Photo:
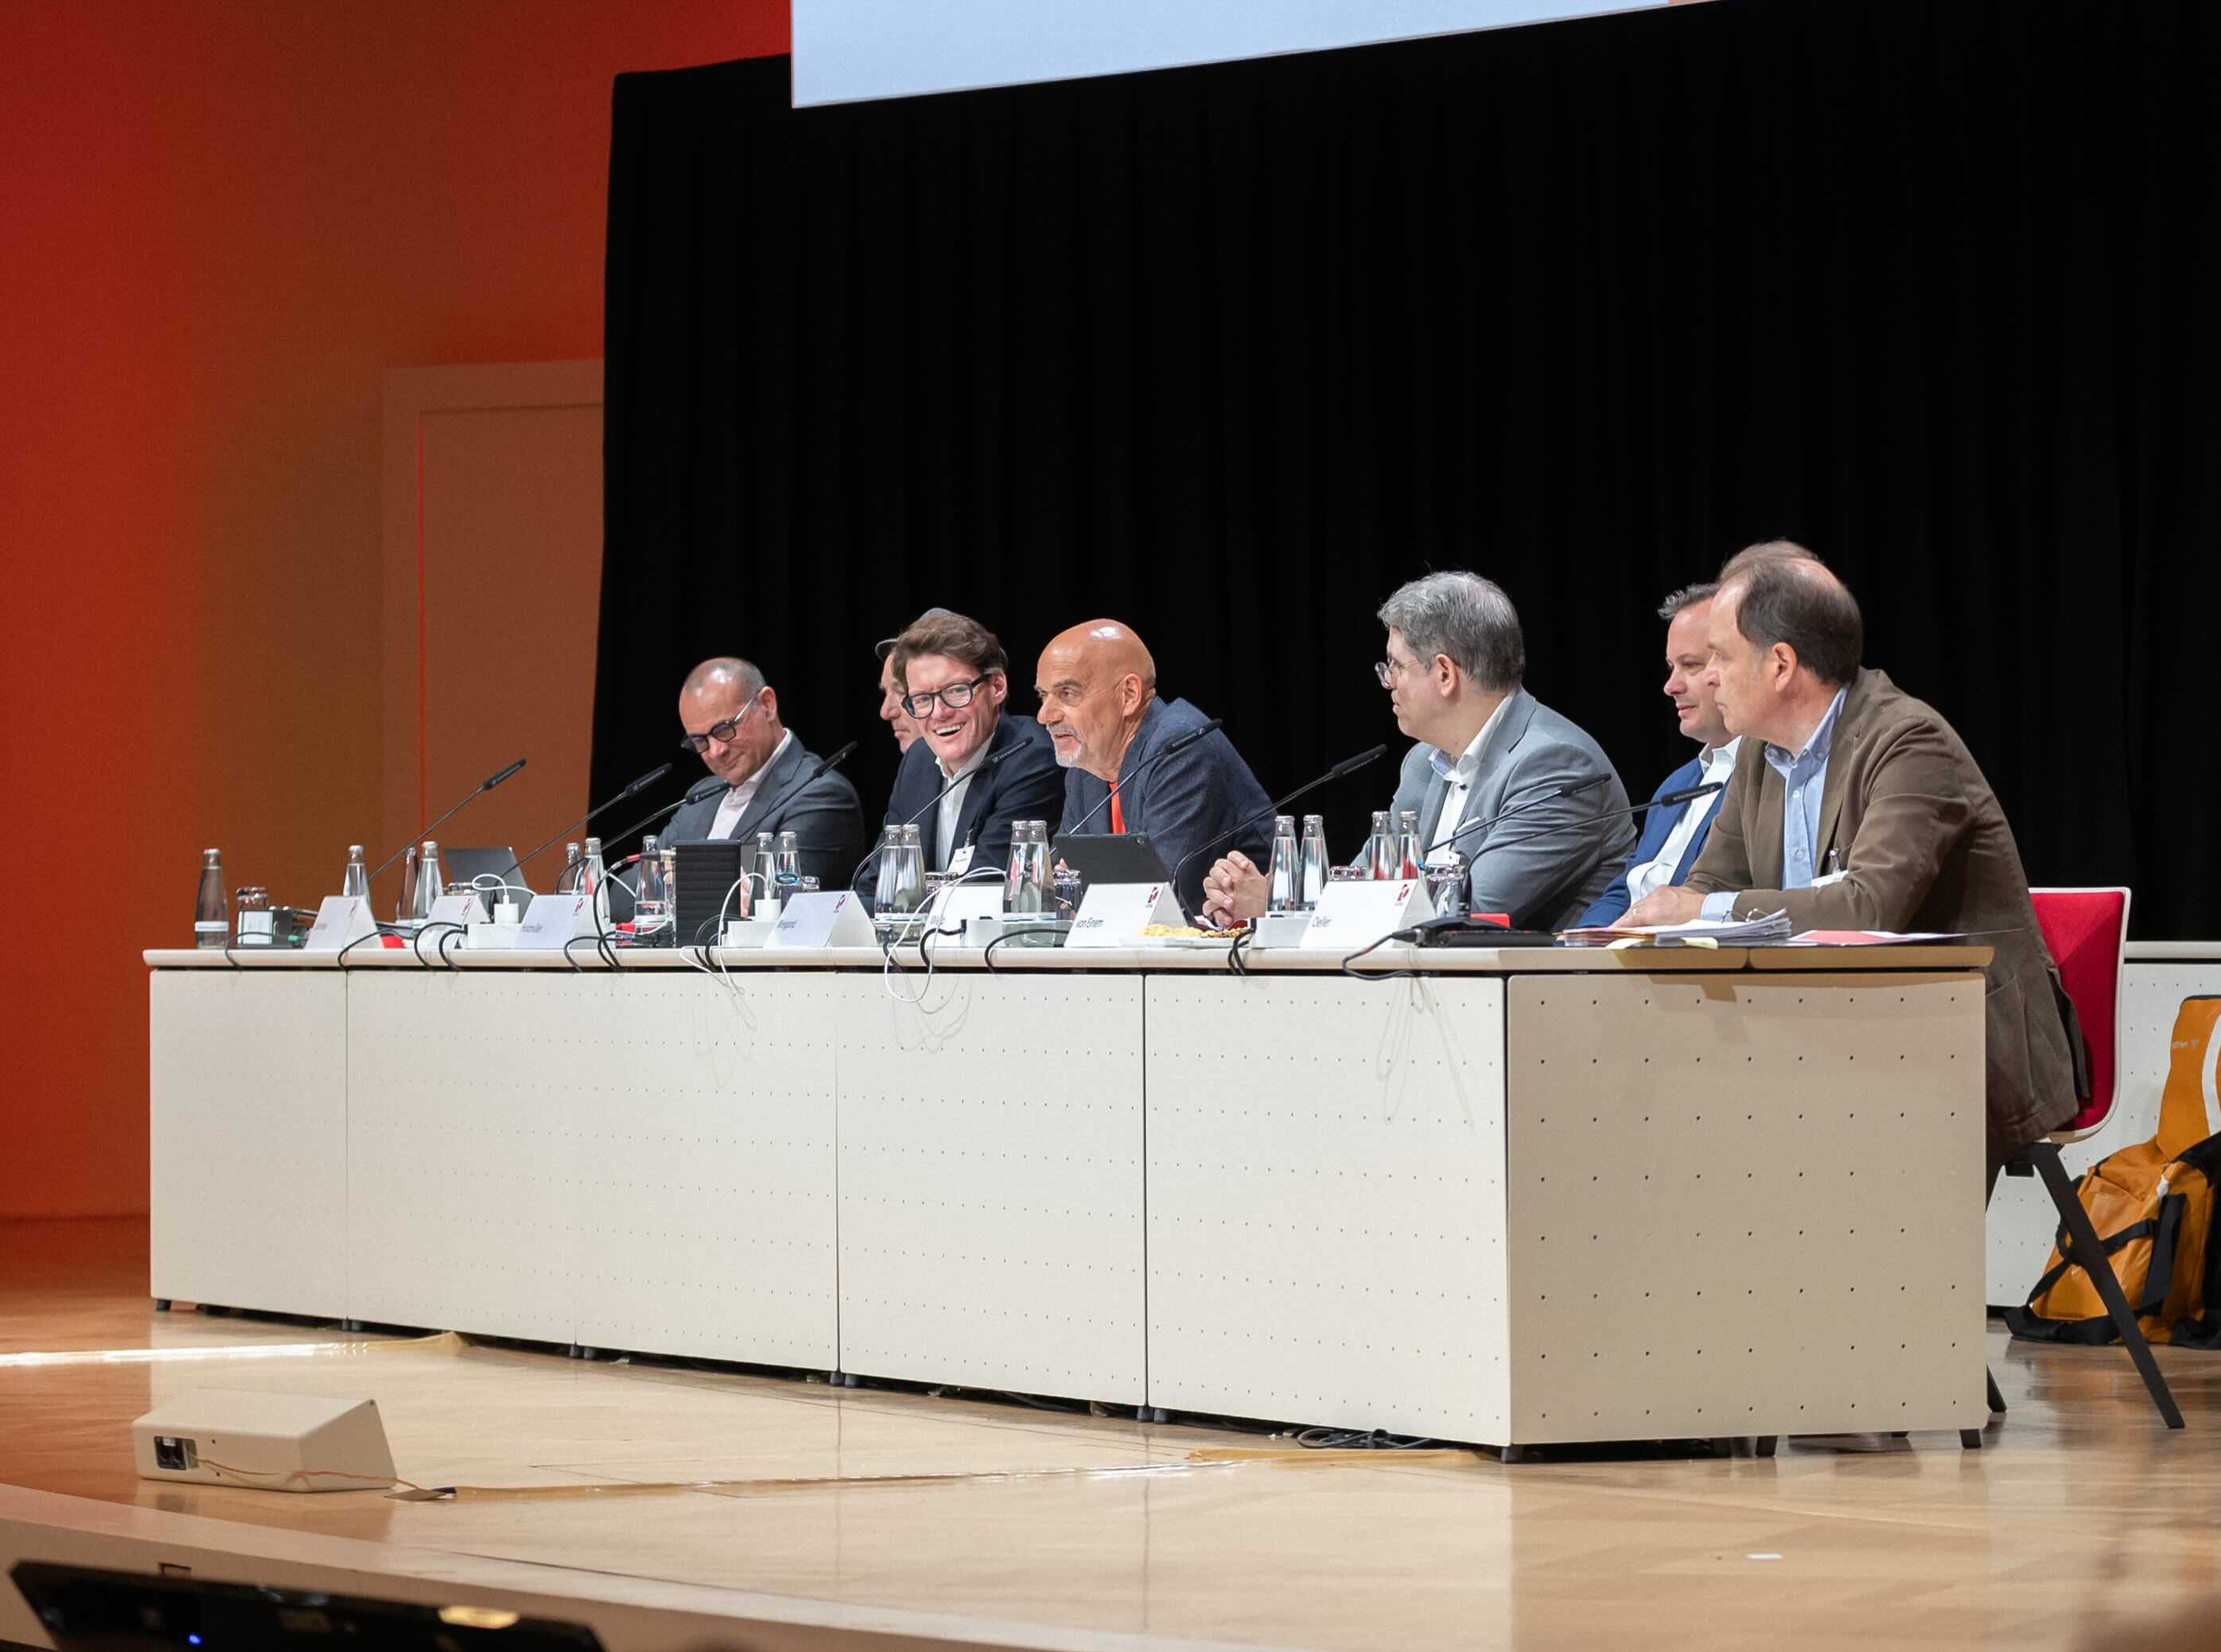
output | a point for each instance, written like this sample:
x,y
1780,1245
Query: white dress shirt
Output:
x,y
1460,775
736,800
1653,875
944,835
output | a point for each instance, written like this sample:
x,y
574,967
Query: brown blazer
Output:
x,y
1926,847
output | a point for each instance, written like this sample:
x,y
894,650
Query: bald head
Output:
x,y
725,705
1766,551
1095,682
725,672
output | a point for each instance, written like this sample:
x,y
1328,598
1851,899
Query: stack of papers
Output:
x,y
1869,937
1727,931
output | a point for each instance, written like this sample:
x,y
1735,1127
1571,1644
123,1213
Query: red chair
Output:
x,y
2086,931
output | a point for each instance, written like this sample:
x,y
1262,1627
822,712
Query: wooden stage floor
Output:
x,y
680,1506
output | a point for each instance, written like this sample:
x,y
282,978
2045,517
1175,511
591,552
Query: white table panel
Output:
x,y
990,1183
470,1096
1326,1201
2023,1222
705,1215
1743,1206
247,1124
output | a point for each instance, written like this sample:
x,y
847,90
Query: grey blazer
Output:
x,y
825,816
1547,863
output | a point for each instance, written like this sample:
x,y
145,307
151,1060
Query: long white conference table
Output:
x,y
1522,1197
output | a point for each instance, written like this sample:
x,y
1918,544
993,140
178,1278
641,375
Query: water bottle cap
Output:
x,y
594,845
430,848
355,852
210,857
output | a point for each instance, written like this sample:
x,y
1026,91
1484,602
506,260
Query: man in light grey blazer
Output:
x,y
1519,786
731,718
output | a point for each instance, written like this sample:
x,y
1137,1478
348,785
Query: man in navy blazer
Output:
x,y
1098,685
972,772
1673,838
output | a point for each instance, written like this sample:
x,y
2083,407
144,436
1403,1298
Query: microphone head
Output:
x,y
493,781
1351,765
648,779
838,758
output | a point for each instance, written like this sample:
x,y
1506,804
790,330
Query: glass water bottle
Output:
x,y
1284,882
787,863
882,888
1315,861
407,898
355,881
651,907
428,888
593,883
1381,859
211,913
1408,852
568,877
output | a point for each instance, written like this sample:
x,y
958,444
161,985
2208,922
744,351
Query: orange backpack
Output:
x,y
2152,1206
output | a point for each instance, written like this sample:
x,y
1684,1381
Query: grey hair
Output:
x,y
1687,597
726,668
1466,617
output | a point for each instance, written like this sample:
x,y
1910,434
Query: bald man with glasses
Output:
x,y
731,715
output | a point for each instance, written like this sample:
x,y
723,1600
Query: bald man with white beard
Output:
x,y
1098,686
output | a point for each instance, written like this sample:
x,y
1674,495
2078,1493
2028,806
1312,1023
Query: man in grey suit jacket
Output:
x,y
731,718
1520,785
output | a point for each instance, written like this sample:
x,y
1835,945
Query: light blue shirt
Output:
x,y
1804,784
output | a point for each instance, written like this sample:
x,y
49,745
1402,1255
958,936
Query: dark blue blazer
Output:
x,y
1183,802
1657,827
1025,785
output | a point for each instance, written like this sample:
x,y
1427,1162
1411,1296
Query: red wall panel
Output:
x,y
220,225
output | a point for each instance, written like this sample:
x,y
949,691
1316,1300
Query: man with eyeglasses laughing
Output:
x,y
731,718
955,678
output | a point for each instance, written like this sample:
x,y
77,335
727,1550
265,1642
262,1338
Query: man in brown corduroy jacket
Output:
x,y
1855,806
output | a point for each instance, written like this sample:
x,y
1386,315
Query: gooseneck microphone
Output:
x,y
1535,801
1686,794
424,832
633,788
1172,749
701,789
919,814
825,765
1347,766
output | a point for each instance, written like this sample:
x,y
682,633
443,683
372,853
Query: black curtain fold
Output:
x,y
1229,351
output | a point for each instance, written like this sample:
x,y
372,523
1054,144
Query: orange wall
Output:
x,y
219,224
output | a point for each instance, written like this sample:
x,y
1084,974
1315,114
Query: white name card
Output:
x,y
823,918
1115,914
552,920
342,920
1354,915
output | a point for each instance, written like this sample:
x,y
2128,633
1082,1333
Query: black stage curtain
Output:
x,y
1228,352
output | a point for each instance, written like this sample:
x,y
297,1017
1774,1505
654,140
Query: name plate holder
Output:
x,y
552,920
965,907
1352,916
342,920
1115,914
823,918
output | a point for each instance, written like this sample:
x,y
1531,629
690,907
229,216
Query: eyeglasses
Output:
x,y
1388,670
719,732
955,696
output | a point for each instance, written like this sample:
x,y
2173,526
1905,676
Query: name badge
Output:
x,y
823,918
1115,914
961,861
1354,915
551,920
341,920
